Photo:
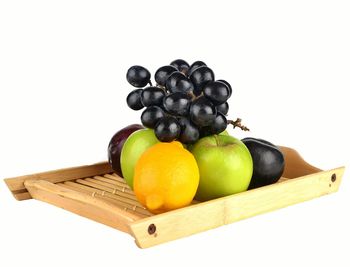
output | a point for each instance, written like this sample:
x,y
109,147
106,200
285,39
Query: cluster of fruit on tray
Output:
x,y
183,150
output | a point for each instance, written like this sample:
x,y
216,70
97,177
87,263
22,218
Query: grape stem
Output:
x,y
192,95
237,123
150,83
162,87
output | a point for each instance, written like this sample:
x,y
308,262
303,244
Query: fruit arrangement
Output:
x,y
182,150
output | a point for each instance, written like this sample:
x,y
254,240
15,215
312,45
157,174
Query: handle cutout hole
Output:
x,y
334,177
151,229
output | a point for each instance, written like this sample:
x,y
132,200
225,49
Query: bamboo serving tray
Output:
x,y
95,192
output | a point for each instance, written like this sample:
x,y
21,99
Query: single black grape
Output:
x,y
152,96
227,84
151,115
138,76
134,99
195,65
177,103
223,108
218,126
202,112
189,132
163,73
181,65
178,82
200,77
167,129
217,92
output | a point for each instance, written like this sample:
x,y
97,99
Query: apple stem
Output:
x,y
237,123
216,139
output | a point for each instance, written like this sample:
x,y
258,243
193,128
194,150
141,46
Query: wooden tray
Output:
x,y
97,193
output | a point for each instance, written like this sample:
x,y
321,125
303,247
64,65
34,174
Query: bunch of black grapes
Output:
x,y
186,104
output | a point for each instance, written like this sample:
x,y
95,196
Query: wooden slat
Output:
x,y
80,188
16,185
120,188
113,182
81,204
115,176
131,201
92,183
207,215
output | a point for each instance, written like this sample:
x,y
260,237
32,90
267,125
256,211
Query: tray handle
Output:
x,y
295,165
81,204
16,184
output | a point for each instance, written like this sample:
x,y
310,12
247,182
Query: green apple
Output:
x,y
190,146
225,166
137,143
224,133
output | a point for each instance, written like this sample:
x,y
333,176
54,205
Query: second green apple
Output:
x,y
225,166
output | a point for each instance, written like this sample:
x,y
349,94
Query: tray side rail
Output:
x,y
82,204
211,214
19,191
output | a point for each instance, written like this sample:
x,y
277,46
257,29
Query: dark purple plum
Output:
x,y
268,162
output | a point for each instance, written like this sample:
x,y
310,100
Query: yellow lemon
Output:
x,y
166,177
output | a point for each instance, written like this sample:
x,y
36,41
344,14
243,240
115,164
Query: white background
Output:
x,y
62,96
